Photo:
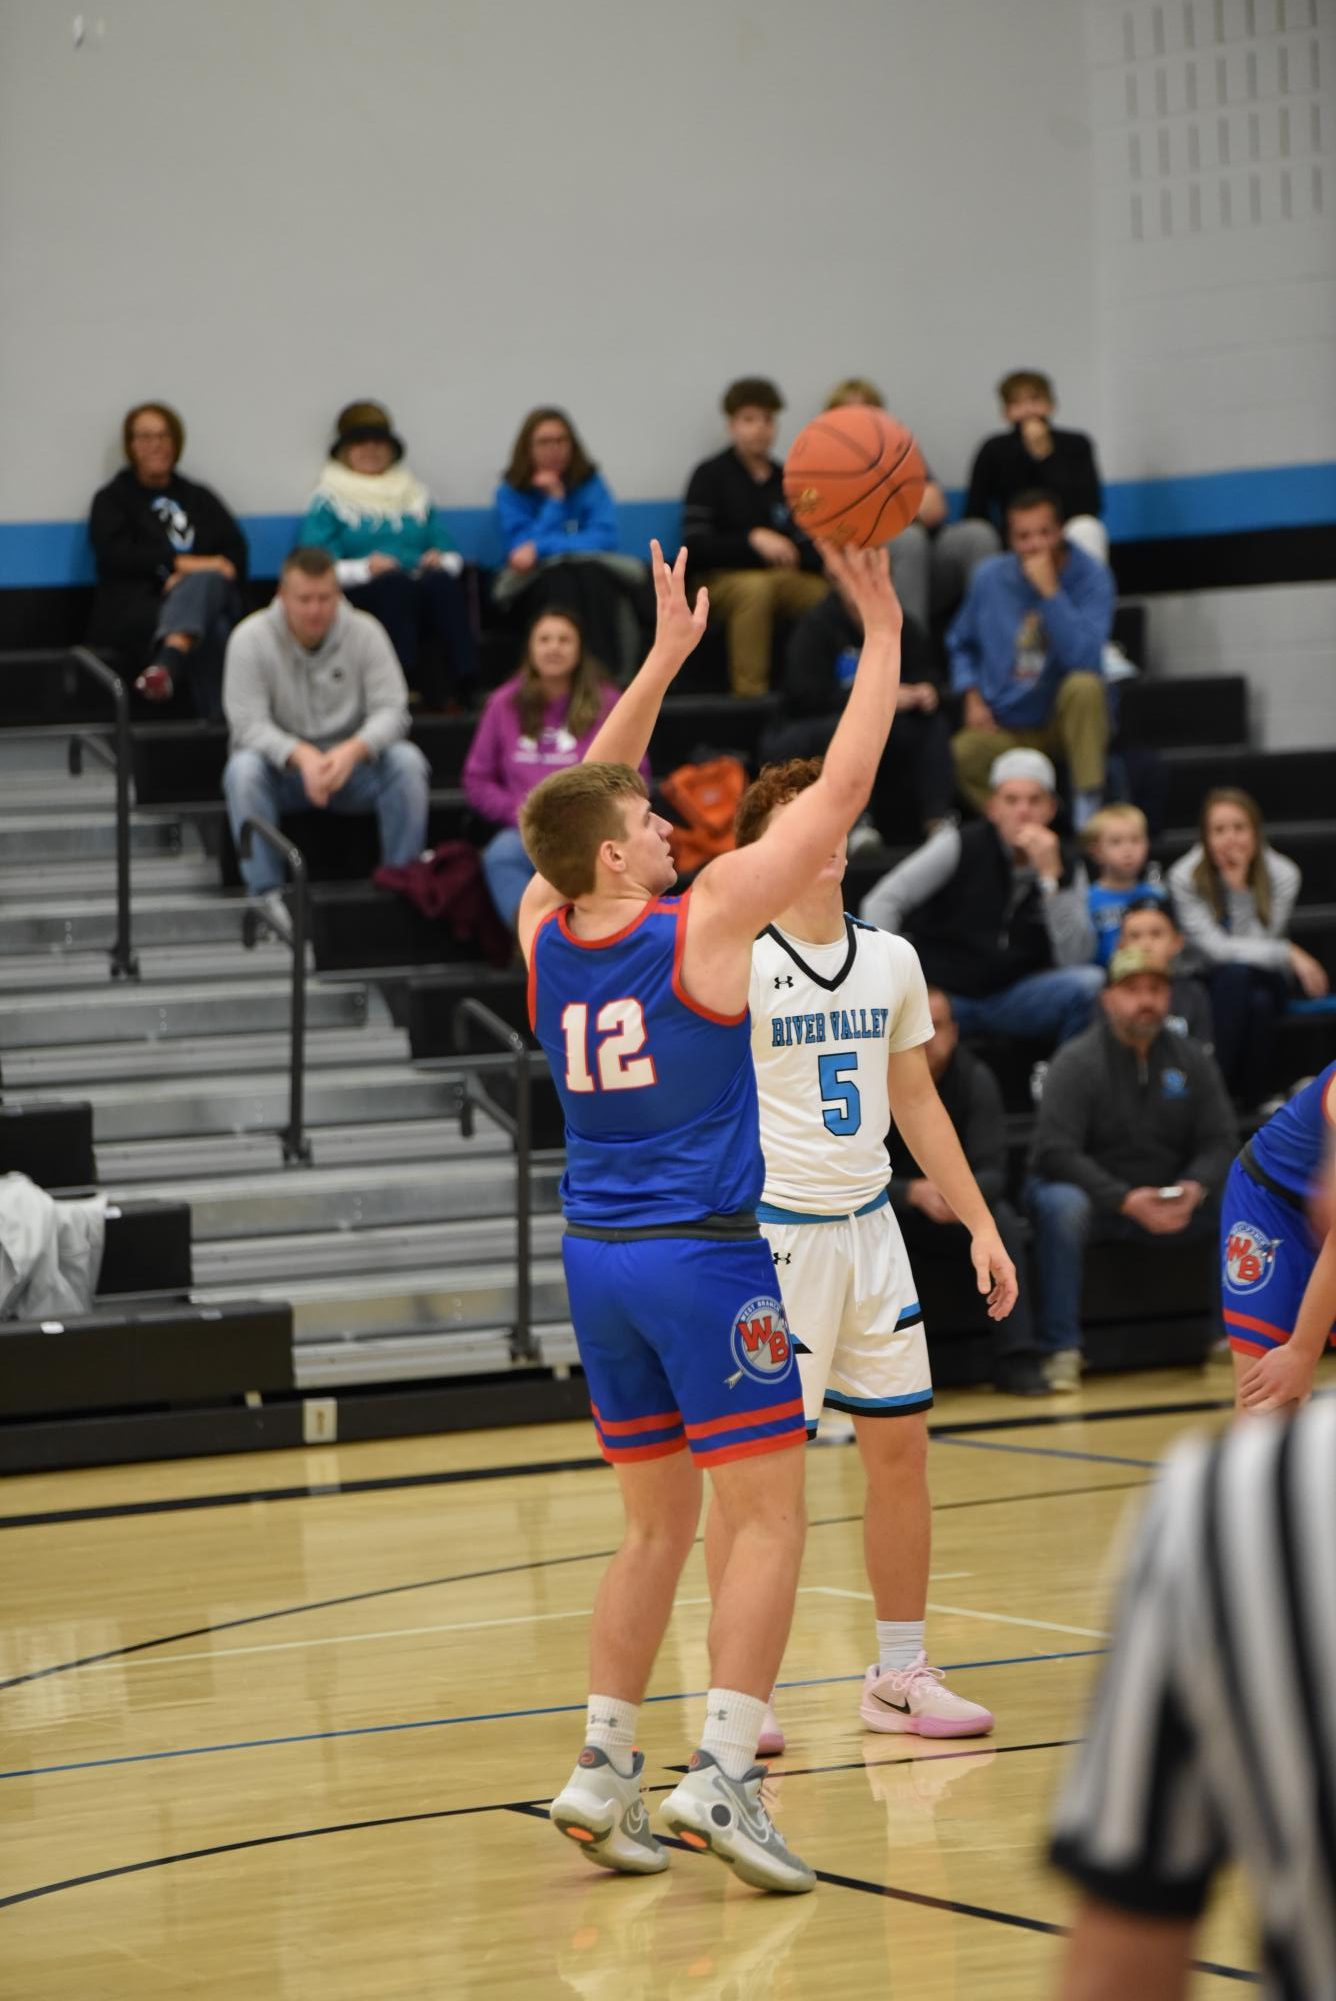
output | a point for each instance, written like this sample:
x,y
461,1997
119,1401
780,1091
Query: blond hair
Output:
x,y
1108,817
565,821
855,389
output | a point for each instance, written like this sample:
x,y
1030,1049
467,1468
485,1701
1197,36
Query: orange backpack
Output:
x,y
704,798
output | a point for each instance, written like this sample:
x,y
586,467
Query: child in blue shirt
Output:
x,y
1117,845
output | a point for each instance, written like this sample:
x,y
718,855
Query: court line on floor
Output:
x,y
965,1612
319,1490
537,1810
1043,1451
485,1716
460,1577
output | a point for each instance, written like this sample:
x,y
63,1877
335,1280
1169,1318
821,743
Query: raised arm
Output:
x,y
738,894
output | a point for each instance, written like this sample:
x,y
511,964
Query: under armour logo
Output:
x,y
782,1257
783,980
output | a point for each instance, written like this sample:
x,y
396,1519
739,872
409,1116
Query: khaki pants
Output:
x,y
1078,733
750,600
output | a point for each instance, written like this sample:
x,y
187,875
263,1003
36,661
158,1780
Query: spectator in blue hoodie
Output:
x,y
558,526
1025,650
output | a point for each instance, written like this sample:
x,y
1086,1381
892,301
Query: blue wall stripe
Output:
x,y
45,553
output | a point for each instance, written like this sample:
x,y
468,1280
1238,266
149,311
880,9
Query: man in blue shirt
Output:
x,y
1025,654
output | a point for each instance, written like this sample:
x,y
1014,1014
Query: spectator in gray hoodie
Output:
x,y
318,710
1134,1139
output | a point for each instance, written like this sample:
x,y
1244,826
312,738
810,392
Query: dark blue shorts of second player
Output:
x,y
684,1343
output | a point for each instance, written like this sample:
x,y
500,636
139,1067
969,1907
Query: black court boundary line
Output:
x,y
525,1469
537,1810
473,1577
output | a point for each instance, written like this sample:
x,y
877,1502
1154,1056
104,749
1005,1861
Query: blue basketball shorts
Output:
x,y
1267,1254
684,1343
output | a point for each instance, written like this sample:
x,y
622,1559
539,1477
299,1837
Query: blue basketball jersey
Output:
x,y
1292,1146
659,1094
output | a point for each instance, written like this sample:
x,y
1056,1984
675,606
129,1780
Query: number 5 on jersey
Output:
x,y
621,1026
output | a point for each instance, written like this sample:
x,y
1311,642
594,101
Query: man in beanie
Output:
x,y
394,555
1134,1139
998,912
1026,648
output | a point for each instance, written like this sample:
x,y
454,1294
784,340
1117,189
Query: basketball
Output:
x,y
854,475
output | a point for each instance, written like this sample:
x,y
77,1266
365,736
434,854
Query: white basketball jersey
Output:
x,y
824,1020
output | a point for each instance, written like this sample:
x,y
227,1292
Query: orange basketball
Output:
x,y
854,475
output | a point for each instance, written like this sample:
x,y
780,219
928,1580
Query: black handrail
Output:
x,y
296,1145
525,1347
124,965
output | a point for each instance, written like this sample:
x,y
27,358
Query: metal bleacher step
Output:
x,y
80,922
458,1351
193,1056
248,1157
481,1183
159,965
65,880
50,837
441,1245
177,1108
134,1011
357,1304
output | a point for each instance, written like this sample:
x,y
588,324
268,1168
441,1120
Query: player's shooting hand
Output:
x,y
864,576
678,625
1280,1377
994,1273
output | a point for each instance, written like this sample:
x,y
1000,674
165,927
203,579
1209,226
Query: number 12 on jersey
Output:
x,y
620,1025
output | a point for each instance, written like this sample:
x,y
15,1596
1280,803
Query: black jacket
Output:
x,y
135,553
1003,468
1111,1119
985,929
973,1101
724,503
811,683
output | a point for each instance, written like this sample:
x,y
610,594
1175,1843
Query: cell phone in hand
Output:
x,y
1169,1194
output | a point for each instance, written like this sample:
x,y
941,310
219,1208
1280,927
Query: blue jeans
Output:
x,y
205,605
1064,1222
395,786
508,872
1043,1007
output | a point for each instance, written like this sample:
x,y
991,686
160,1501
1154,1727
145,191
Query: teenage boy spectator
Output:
x,y
997,912
1148,926
916,779
1025,650
170,558
933,559
1117,848
1033,452
744,542
930,1227
318,708
1134,1137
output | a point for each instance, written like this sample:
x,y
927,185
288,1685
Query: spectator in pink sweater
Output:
x,y
541,720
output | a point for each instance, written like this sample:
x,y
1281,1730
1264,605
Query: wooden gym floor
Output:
x,y
285,1725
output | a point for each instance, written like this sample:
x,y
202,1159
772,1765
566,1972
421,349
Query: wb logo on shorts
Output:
x,y
1250,1257
761,1344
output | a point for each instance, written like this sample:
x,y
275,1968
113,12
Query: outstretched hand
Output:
x,y
1277,1380
864,575
678,626
994,1273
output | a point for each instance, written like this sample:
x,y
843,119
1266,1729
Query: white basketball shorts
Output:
x,y
853,1311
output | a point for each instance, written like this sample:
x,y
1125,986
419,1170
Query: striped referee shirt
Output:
x,y
1213,1733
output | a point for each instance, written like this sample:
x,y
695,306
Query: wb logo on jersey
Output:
x,y
761,1344
1250,1257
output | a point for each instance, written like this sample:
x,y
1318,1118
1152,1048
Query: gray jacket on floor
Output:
x,y
50,1252
278,693
1112,1119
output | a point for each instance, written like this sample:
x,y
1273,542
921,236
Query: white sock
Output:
x,y
899,1643
732,1725
611,1727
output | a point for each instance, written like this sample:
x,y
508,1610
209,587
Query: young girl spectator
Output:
x,y
392,553
1117,845
1234,895
540,721
558,526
